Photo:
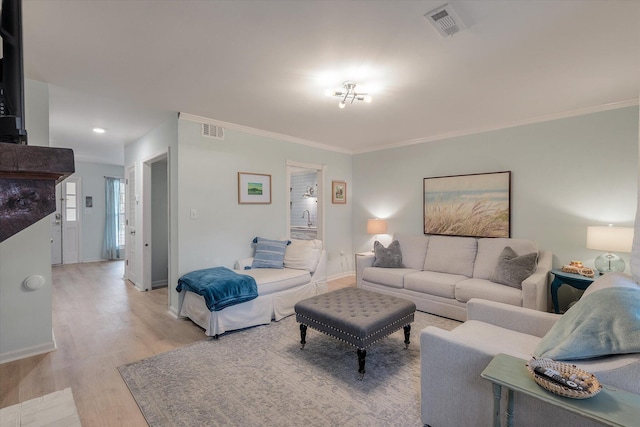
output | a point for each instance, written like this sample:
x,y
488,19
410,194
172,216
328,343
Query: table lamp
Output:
x,y
376,226
610,239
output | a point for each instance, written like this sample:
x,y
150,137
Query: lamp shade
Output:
x,y
376,226
611,239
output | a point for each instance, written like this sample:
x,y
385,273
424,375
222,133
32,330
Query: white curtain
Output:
x,y
110,248
635,252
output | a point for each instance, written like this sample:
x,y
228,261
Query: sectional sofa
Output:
x,y
440,274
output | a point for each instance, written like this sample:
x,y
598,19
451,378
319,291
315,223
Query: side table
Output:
x,y
611,406
574,280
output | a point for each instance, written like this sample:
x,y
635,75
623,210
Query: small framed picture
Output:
x,y
254,188
338,192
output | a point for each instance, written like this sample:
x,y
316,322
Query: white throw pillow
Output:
x,y
303,254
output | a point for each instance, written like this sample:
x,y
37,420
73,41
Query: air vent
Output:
x,y
445,20
211,131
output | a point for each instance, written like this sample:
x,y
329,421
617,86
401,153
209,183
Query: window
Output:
x,y
71,208
121,220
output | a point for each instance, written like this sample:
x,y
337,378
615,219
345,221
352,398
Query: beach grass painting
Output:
x,y
476,205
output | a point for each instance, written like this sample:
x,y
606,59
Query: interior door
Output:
x,y
130,219
71,220
56,229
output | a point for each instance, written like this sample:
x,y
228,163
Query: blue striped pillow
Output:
x,y
269,253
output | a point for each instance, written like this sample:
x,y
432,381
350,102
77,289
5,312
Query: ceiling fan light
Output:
x,y
341,104
367,99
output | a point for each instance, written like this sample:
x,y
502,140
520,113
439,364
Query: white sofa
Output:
x,y
442,273
454,394
303,276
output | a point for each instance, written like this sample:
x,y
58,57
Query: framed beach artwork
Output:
x,y
477,205
254,188
338,192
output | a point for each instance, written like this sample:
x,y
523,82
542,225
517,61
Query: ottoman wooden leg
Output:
x,y
303,335
362,354
407,332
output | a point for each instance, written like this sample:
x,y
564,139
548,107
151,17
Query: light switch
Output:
x,y
194,214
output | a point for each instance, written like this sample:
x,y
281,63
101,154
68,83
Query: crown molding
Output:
x,y
448,135
540,119
259,132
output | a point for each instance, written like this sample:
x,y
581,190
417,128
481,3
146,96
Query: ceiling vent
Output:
x,y
445,20
211,131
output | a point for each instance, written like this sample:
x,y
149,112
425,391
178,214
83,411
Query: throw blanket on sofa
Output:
x,y
603,323
219,286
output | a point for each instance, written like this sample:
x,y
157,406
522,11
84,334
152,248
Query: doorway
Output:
x,y
305,201
65,223
155,224
130,225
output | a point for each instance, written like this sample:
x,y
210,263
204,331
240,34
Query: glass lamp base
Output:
x,y
607,263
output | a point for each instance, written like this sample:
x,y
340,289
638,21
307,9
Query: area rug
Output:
x,y
54,409
260,376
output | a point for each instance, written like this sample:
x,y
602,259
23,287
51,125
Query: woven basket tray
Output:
x,y
591,382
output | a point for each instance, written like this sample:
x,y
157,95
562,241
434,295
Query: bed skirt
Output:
x,y
259,311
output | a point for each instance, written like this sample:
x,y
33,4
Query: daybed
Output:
x,y
303,275
440,274
590,335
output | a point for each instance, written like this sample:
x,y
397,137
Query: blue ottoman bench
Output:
x,y
355,316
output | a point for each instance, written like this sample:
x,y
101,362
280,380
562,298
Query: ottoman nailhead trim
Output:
x,y
388,329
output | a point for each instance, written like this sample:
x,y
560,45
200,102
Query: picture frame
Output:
x,y
338,192
254,188
474,205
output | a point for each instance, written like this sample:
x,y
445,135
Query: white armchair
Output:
x,y
454,394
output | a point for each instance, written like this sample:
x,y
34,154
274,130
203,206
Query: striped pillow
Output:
x,y
269,253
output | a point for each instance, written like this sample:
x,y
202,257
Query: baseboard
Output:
x,y
22,353
159,283
174,313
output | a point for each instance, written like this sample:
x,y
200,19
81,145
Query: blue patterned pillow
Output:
x,y
269,253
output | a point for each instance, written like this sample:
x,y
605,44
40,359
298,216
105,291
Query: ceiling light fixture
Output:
x,y
99,130
349,93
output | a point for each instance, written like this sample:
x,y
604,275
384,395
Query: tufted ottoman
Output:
x,y
355,316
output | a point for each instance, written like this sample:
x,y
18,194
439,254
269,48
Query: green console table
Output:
x,y
611,406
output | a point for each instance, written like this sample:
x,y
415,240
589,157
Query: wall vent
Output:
x,y
211,131
445,20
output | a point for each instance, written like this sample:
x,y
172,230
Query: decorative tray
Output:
x,y
587,384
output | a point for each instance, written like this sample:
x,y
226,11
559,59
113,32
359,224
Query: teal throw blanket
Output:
x,y
219,286
603,323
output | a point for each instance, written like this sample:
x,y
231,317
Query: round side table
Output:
x,y
574,280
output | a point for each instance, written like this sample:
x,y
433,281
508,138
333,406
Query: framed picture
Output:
x,y
254,188
338,192
477,205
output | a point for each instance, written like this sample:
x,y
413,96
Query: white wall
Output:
x,y
25,316
224,229
92,220
566,174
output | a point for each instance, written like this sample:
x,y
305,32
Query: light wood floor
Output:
x,y
100,321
